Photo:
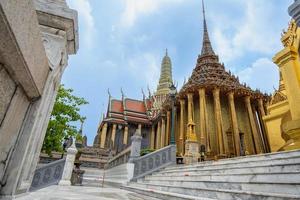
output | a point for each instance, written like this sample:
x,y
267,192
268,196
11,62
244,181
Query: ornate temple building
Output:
x,y
214,111
283,117
126,115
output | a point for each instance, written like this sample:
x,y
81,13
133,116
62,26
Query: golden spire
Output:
x,y
165,80
206,45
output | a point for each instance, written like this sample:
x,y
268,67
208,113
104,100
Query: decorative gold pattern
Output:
x,y
288,37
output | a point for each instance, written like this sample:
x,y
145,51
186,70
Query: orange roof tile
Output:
x,y
135,105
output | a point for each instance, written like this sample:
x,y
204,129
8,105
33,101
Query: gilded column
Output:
x,y
253,125
191,136
261,107
125,139
202,117
152,142
168,128
262,124
234,124
103,135
218,120
163,132
191,144
113,135
182,127
158,135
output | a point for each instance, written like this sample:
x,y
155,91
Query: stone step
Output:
x,y
292,178
222,194
244,163
138,196
255,187
258,157
162,194
259,168
92,182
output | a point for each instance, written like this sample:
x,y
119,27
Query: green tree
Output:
x,y
64,115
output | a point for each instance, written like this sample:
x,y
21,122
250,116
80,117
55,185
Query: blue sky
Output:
x,y
122,43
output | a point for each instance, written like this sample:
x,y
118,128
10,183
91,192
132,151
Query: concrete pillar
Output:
x,y
234,124
256,137
69,165
125,139
103,135
163,132
113,135
218,121
182,127
168,128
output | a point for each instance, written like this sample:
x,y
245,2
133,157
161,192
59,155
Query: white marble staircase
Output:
x,y
92,177
266,176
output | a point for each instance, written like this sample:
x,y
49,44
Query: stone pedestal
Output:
x,y
191,152
136,141
69,166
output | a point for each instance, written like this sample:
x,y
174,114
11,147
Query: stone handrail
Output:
x,y
119,159
154,161
49,174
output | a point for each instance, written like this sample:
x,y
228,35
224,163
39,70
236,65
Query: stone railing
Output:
x,y
49,174
153,161
119,159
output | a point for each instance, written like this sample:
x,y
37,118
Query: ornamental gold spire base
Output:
x,y
191,146
291,131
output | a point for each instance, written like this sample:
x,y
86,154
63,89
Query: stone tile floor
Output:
x,y
80,193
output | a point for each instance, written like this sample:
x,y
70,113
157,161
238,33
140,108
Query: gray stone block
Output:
x,y
7,89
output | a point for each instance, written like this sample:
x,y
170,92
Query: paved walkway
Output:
x,y
80,193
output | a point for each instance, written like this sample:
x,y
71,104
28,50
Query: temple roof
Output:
x,y
127,110
210,73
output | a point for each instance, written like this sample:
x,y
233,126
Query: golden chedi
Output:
x,y
283,120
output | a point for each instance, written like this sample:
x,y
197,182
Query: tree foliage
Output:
x,y
63,118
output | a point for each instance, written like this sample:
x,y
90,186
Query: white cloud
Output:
x,y
86,20
145,68
250,33
135,8
263,74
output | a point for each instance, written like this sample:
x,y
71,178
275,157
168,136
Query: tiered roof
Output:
x,y
209,73
127,110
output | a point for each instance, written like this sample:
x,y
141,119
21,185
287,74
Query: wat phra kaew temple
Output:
x,y
213,110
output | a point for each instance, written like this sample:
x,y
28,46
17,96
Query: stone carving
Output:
x,y
154,161
49,174
278,97
55,49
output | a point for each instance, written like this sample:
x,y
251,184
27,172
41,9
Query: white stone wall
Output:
x,y
33,59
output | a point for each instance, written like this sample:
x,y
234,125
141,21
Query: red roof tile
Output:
x,y
117,106
135,105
